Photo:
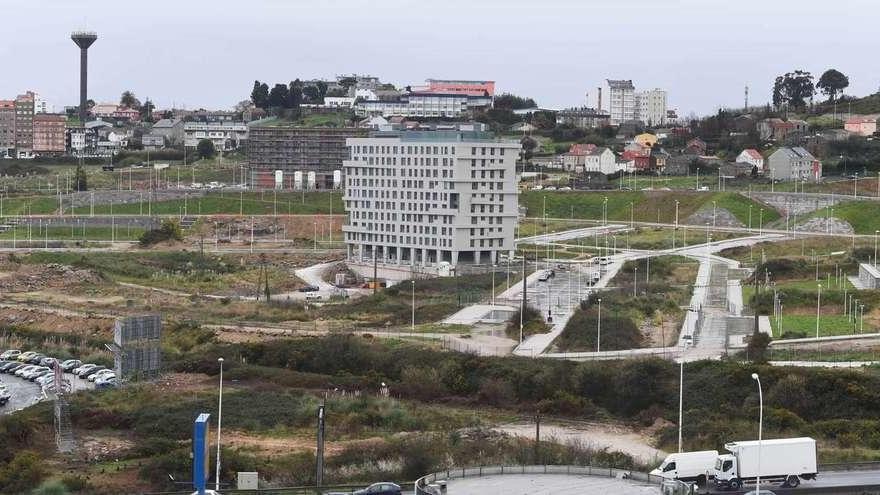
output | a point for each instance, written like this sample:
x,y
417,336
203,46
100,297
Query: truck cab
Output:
x,y
725,469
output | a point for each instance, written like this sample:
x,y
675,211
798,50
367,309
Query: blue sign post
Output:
x,y
200,453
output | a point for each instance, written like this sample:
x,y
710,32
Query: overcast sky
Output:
x,y
197,53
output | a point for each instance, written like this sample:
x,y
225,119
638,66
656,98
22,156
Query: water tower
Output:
x,y
83,40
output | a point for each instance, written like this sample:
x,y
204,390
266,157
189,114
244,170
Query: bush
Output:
x,y
168,231
24,472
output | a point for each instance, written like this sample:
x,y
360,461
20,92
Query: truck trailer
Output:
x,y
783,460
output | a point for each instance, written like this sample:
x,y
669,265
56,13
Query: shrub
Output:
x,y
24,472
168,231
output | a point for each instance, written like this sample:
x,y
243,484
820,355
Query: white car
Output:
x,y
100,374
10,354
76,371
33,372
24,369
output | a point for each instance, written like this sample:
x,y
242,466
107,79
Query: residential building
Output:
x,y
752,157
125,113
583,117
311,153
339,101
869,275
575,159
40,105
650,107
780,130
104,110
602,160
622,103
48,134
24,125
862,126
226,136
7,128
658,159
170,129
470,88
431,197
646,139
793,163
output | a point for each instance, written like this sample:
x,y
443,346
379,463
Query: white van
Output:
x,y
313,296
688,466
604,260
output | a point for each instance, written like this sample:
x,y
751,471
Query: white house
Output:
x,y
793,164
601,160
338,101
752,157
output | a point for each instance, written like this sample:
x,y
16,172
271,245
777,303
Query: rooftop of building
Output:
x,y
620,83
443,136
458,81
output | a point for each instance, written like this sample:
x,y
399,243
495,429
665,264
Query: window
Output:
x,y
669,467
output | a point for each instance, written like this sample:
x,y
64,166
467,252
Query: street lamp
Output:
x,y
413,323
675,228
681,394
875,247
599,325
818,304
219,417
714,206
760,429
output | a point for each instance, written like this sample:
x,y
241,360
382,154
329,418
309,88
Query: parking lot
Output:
x,y
559,294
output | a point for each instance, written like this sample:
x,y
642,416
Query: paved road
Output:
x,y
566,235
25,393
547,484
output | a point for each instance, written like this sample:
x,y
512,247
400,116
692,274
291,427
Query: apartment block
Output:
x,y
430,197
622,103
651,107
226,136
49,138
24,125
793,163
7,128
304,150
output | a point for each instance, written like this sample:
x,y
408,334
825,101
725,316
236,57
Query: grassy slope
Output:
x,y
864,216
232,203
647,206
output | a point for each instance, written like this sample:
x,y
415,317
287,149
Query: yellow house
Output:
x,y
646,139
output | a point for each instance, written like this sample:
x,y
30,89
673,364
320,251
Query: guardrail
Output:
x,y
427,485
292,490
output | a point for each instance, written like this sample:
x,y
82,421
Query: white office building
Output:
x,y
622,101
429,197
651,107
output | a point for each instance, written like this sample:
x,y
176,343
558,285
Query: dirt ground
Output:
x,y
636,443
661,336
27,278
285,445
55,321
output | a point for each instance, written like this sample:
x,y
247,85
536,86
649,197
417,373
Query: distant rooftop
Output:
x,y
442,136
620,83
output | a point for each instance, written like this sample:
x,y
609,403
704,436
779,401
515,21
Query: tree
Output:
x,y
205,148
260,95
832,82
169,230
756,349
129,100
513,102
311,94
79,179
295,94
278,97
146,110
528,146
793,88
322,90
347,82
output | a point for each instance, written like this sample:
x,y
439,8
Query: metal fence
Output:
x,y
292,490
434,483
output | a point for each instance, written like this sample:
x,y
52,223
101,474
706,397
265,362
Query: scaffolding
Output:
x,y
64,439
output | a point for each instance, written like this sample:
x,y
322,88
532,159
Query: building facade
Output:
x,y
430,197
622,102
650,107
24,125
601,160
170,129
226,136
471,88
793,164
49,134
7,128
752,157
425,104
301,151
583,117
862,126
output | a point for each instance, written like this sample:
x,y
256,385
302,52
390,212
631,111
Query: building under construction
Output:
x,y
289,157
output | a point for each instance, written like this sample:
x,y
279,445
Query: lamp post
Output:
x,y
714,207
750,218
760,429
599,326
818,305
875,247
675,228
605,211
219,418
681,394
413,322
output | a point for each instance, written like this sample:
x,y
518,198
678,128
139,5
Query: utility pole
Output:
x,y
319,465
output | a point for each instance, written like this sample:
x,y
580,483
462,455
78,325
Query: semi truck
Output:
x,y
783,460
688,466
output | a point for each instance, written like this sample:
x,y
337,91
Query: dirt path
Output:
x,y
594,435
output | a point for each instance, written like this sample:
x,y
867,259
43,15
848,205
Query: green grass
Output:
x,y
806,324
28,205
644,206
864,216
214,203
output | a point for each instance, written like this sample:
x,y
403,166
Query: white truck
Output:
x,y
688,466
783,460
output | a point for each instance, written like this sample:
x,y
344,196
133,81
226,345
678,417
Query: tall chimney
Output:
x,y
83,40
599,100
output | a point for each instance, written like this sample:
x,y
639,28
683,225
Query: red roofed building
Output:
x,y
470,88
752,157
577,156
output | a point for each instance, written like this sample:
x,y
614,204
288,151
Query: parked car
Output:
x,y
24,356
11,367
107,382
34,372
99,374
48,362
24,369
383,488
91,371
36,358
82,368
45,379
4,396
309,288
10,354
70,364
40,373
